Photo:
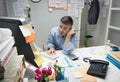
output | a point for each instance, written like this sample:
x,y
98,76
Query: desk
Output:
x,y
97,52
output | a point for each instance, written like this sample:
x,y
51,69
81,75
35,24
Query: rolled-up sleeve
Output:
x,y
70,46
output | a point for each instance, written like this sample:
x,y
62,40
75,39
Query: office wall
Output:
x,y
3,8
98,30
43,20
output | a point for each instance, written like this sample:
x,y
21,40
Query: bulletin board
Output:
x,y
58,4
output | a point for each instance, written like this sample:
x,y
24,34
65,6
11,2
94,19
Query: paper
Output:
x,y
64,61
26,29
77,73
57,3
73,1
17,11
62,3
80,3
51,3
72,10
39,60
85,77
5,33
30,38
27,32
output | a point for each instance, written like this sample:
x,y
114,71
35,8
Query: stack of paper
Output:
x,y
5,48
5,33
114,58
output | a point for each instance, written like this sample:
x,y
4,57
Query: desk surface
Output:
x,y
97,52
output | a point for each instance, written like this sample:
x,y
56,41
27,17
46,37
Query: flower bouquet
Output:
x,y
42,74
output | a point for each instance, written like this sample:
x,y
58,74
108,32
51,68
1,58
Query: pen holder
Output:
x,y
60,74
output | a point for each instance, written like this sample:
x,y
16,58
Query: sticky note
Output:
x,y
65,7
30,37
39,60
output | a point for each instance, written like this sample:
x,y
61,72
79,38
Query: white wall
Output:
x,y
43,20
97,31
3,8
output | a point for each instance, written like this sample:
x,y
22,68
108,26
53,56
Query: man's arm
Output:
x,y
69,42
50,44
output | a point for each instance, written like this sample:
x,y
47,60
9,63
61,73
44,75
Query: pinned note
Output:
x,y
27,32
30,38
65,8
39,60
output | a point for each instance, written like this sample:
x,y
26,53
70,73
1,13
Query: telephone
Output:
x,y
98,68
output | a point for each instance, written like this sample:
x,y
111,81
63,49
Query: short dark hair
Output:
x,y
67,20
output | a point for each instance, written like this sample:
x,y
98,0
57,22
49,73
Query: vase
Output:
x,y
60,74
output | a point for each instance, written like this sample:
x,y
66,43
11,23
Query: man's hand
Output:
x,y
68,37
71,32
51,51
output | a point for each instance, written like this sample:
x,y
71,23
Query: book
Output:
x,y
16,70
114,58
113,62
11,55
5,33
5,47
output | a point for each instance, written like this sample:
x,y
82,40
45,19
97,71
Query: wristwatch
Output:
x,y
35,1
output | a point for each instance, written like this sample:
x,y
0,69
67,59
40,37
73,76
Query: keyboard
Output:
x,y
51,57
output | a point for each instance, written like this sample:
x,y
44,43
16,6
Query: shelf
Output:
x,y
115,28
115,18
115,3
113,25
114,36
115,9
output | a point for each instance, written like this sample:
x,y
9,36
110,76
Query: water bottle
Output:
x,y
108,47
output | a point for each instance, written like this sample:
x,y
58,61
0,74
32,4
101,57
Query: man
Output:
x,y
62,37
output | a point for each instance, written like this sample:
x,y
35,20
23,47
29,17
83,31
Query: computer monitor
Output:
x,y
23,48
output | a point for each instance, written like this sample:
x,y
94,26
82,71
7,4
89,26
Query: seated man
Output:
x,y
62,37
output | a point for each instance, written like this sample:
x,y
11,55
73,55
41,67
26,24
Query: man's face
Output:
x,y
64,29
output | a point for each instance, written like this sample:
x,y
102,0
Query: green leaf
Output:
x,y
46,79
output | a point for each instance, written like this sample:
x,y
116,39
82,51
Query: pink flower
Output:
x,y
49,72
44,70
49,68
43,73
38,77
37,71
